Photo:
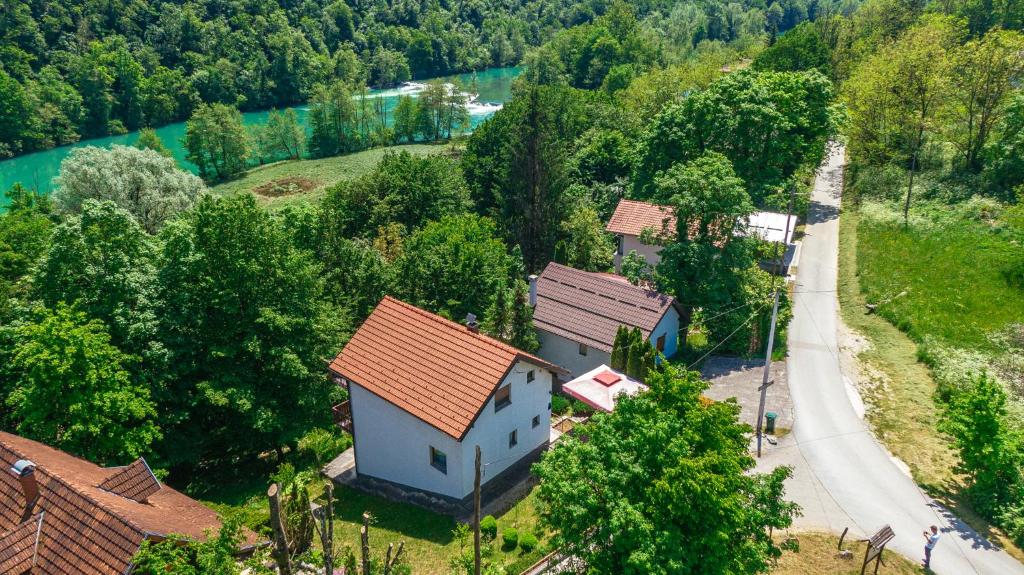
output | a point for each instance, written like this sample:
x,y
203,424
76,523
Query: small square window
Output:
x,y
439,460
583,349
503,398
661,342
530,376
513,439
536,421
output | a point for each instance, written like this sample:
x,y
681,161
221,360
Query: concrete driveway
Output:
x,y
843,477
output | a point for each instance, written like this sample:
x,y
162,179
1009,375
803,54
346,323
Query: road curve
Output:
x,y
855,480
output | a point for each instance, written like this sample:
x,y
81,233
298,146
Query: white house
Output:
x,y
578,313
632,218
426,391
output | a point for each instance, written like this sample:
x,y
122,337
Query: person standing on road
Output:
x,y
930,540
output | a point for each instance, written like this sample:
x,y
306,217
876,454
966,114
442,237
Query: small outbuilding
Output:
x,y
578,313
601,388
425,391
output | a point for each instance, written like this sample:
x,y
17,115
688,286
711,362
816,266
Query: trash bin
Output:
x,y
769,421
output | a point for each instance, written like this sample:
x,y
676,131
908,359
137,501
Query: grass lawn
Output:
x,y
818,555
903,413
951,275
318,175
430,539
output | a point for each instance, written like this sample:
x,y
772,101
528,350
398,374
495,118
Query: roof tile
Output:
x,y
632,217
433,368
589,307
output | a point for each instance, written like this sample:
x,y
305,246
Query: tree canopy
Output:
x,y
663,485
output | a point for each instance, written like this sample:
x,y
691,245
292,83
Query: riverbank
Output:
x,y
305,181
37,170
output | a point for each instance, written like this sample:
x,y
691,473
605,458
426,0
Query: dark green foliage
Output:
x,y
799,49
702,264
102,262
620,349
509,538
24,235
662,485
522,334
991,454
215,556
404,189
498,318
332,120
247,326
217,141
527,542
452,266
559,405
489,527
1004,169
767,124
516,167
71,389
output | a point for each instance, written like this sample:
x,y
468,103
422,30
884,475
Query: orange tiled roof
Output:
x,y
589,307
632,217
433,368
87,530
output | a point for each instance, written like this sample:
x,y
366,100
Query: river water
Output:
x,y
37,170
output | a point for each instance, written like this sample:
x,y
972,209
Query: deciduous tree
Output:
x,y
217,141
149,186
663,485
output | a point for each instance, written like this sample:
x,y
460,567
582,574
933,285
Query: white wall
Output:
x,y
492,429
393,445
669,326
630,243
566,353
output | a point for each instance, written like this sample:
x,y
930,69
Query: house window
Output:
x,y
530,376
513,439
536,421
619,250
583,349
503,398
661,342
439,460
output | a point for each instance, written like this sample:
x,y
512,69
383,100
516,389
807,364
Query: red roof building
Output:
x,y
63,515
424,390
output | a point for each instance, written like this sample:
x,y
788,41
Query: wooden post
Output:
x,y
281,557
364,534
841,538
865,565
476,515
327,529
387,559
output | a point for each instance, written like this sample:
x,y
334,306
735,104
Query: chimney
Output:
x,y
24,470
471,323
533,290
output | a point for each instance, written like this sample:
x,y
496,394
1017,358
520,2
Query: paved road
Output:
x,y
843,477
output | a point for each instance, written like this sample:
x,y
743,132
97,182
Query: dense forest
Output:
x,y
193,328
77,70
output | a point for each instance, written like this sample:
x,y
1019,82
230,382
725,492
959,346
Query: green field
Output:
x,y
945,280
317,175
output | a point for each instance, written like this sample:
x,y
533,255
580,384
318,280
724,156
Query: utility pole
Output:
x,y
780,256
476,515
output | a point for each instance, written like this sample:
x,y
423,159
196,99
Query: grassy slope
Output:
x,y
904,415
818,552
325,172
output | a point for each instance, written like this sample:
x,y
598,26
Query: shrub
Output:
x,y
489,527
559,405
510,537
322,445
527,542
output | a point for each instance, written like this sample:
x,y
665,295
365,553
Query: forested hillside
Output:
x,y
76,70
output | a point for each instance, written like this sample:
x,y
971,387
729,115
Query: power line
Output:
x,y
719,344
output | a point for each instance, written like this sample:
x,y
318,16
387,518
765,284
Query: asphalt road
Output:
x,y
844,478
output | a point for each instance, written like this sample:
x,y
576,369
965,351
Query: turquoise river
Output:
x,y
37,170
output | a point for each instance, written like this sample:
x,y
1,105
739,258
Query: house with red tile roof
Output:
x,y
628,223
425,391
632,218
61,515
578,313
